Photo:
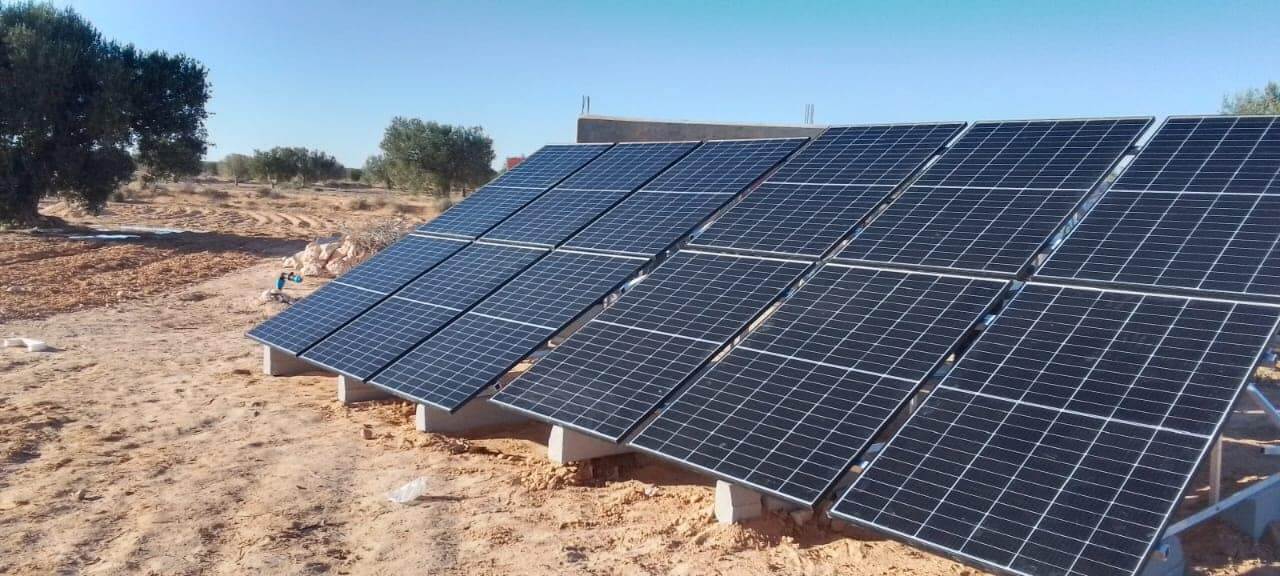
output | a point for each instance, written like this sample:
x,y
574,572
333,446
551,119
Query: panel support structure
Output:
x,y
478,413
278,363
566,446
351,391
1215,472
1167,560
735,503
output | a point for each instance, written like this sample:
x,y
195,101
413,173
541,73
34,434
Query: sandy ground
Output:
x,y
149,442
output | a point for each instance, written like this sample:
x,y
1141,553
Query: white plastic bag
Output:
x,y
410,492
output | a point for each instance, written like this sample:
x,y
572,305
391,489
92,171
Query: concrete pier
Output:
x,y
478,413
278,363
735,503
351,391
567,446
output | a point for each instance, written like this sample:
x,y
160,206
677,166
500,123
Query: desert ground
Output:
x,y
147,441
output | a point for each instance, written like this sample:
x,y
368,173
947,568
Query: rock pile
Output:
x,y
327,258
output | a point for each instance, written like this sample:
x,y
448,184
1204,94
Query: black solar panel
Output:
x,y
724,167
1197,210
627,166
456,363
549,165
646,223
1210,154
875,155
395,325
996,196
401,262
1064,438
618,367
503,197
789,409
314,317
556,215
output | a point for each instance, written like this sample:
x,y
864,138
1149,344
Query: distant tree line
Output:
x,y
420,156
1254,101
282,164
79,114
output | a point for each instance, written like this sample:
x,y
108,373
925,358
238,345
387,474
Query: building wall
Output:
x,y
606,129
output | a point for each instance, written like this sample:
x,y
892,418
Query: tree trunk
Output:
x,y
19,203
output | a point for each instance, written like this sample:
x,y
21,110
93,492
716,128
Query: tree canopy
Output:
x,y
417,153
1254,101
237,167
287,163
78,113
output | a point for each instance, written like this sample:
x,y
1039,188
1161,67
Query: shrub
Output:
x,y
359,204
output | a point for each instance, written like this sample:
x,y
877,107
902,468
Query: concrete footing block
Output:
x,y
1253,515
478,413
1167,560
735,503
278,363
567,446
351,391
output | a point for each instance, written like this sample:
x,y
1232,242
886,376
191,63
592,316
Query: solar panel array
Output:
x,y
608,376
329,308
390,329
791,407
459,361
994,199
1066,436
334,304
1197,210
625,362
511,191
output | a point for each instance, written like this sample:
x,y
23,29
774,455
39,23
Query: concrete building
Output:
x,y
610,129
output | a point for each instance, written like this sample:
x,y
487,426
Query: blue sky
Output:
x,y
331,75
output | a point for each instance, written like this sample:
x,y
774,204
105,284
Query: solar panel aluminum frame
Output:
x,y
1211,440
959,344
494,380
506,244
1095,191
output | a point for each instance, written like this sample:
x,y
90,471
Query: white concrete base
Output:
x,y
1252,516
351,391
277,363
478,413
567,446
735,503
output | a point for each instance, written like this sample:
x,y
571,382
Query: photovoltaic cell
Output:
x,y
1197,210
395,325
646,223
1063,440
790,408
994,198
725,166
458,362
556,215
615,370
503,197
1209,154
627,166
314,317
874,155
826,189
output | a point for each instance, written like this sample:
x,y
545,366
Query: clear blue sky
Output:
x,y
331,74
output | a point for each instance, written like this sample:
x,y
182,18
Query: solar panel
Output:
x,y
826,189
1209,154
1197,210
314,317
1063,440
628,165
549,165
724,166
556,215
503,197
398,323
994,198
606,377
790,407
646,223
459,361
